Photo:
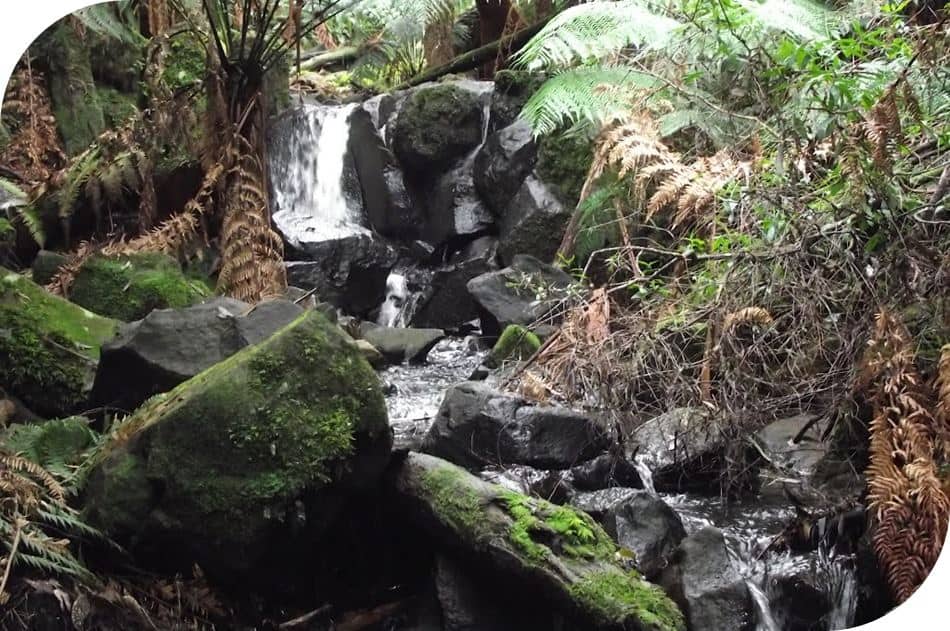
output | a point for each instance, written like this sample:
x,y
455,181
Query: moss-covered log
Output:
x,y
556,552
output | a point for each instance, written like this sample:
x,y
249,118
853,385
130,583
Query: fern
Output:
x,y
591,32
77,175
110,20
586,94
802,19
597,222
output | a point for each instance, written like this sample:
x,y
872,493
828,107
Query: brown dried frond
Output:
x,y
882,128
942,390
34,151
753,315
908,506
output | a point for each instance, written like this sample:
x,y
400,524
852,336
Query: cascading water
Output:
x,y
646,474
392,311
307,176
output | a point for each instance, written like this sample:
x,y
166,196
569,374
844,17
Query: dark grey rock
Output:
x,y
402,344
703,582
604,471
46,265
448,304
349,273
597,503
533,222
523,292
649,527
170,346
454,209
471,604
477,426
502,164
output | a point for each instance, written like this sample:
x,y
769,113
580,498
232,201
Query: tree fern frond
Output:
x,y
593,31
587,94
803,19
105,19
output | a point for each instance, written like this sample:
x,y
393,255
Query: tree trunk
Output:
x,y
496,18
437,41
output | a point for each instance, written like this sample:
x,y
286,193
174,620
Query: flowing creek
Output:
x,y
415,393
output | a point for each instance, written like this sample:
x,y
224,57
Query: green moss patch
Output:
x,y
563,163
48,346
130,287
454,501
617,595
516,343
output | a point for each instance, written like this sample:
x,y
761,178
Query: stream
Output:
x,y
414,393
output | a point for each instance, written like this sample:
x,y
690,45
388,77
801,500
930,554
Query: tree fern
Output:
x,y
586,94
802,19
593,31
112,20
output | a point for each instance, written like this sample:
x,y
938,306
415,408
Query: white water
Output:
x,y
765,621
307,177
646,474
392,312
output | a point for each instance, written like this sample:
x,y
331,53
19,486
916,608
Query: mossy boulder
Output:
x,y
513,88
563,163
49,347
435,126
516,343
243,467
128,288
555,555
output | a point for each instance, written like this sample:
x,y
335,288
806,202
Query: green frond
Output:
x,y
802,19
590,94
81,170
593,31
107,19
597,222
30,217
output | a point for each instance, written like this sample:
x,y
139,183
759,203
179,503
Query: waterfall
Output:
x,y
646,474
392,312
765,621
839,581
306,157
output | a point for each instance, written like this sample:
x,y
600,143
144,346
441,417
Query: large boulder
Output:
x,y
350,273
448,304
436,125
454,210
49,347
398,344
646,525
513,88
706,586
242,468
128,288
683,448
477,425
548,554
502,164
170,346
522,293
46,266
533,222
389,207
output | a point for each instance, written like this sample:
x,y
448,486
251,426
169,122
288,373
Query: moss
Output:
x,y
516,342
436,125
454,501
563,163
48,346
541,528
129,288
618,595
117,107
186,65
249,435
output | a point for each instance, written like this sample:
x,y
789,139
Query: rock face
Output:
x,y
532,223
448,304
502,164
130,287
49,347
513,88
170,346
552,554
703,582
519,294
242,467
349,273
477,425
682,448
435,126
647,526
454,209
398,345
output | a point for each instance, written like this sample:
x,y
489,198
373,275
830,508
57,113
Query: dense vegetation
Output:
x,y
762,230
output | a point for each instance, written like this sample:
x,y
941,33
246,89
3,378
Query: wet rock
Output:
x,y
801,457
477,425
46,265
372,355
170,346
683,449
523,292
513,88
454,210
128,288
349,273
471,603
402,344
49,348
448,304
242,468
646,525
533,222
604,471
502,164
528,543
802,606
530,481
703,582
597,503
436,125
389,208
